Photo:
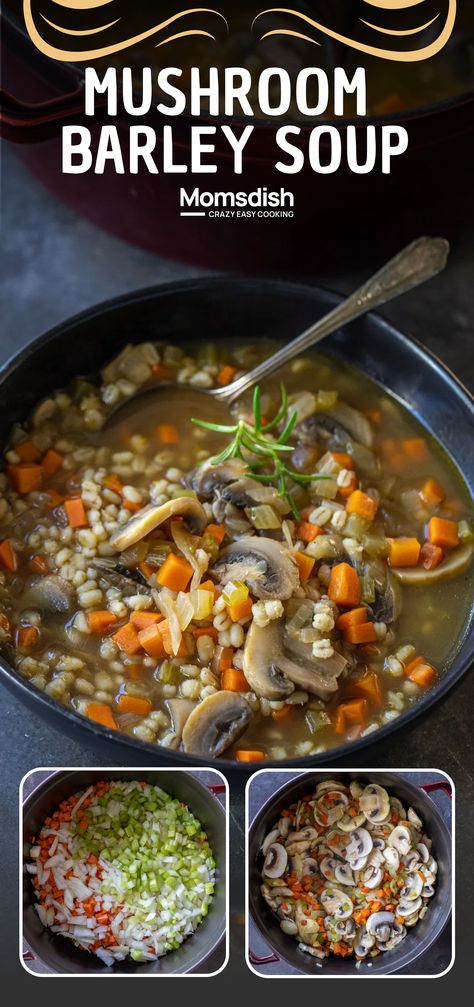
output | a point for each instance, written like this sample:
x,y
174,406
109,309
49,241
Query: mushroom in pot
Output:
x,y
153,515
276,861
375,803
261,563
400,839
337,903
273,674
216,723
380,925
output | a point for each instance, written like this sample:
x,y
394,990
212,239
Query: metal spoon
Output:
x,y
418,262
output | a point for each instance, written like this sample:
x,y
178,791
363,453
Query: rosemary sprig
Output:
x,y
269,452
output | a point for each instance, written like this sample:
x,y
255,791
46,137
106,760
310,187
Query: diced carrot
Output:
x,y
38,564
152,641
208,585
420,672
369,686
240,610
363,633
164,629
76,513
347,491
131,505
25,477
225,375
363,505
162,373
102,714
55,498
403,551
134,704
204,631
27,451
146,569
52,461
415,448
352,712
249,755
224,659
373,415
144,619
443,532
100,621
284,712
307,531
217,531
233,680
175,573
305,565
167,433
432,493
344,586
8,556
134,672
354,617
343,459
112,482
431,556
127,639
27,637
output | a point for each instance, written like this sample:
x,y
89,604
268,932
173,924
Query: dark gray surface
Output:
x,y
435,961
55,264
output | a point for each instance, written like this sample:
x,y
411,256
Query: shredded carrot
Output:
x,y
25,477
344,586
152,641
364,632
134,704
443,533
249,755
363,505
52,461
233,680
167,433
305,565
217,531
75,513
8,556
38,564
144,619
430,556
432,493
127,639
100,621
307,531
225,375
175,573
403,551
102,714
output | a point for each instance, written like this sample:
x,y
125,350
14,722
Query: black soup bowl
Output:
x,y
214,310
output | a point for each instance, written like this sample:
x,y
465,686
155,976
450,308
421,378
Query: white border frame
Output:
x,y
137,769
323,772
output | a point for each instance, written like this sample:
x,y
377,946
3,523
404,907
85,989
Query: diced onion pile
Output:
x,y
122,870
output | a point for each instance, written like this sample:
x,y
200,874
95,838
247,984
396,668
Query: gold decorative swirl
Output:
x,y
410,56
80,56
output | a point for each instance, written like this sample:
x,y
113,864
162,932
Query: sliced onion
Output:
x,y
186,543
167,605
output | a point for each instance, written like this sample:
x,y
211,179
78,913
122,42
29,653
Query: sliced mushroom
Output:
x,y
409,907
400,839
392,859
341,424
328,868
424,852
388,599
216,723
49,594
363,943
375,803
263,564
127,580
327,785
275,861
359,845
457,562
372,876
153,515
289,927
328,812
414,819
412,887
316,951
344,875
284,826
348,824
380,925
271,838
273,674
179,710
397,933
208,478
245,492
309,867
337,903
427,891
303,836
355,788
260,664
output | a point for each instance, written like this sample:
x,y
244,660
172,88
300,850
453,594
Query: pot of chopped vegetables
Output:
x,y
351,875
124,873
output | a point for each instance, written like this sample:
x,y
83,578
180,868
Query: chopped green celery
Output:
x,y
326,400
317,720
368,589
374,545
176,494
169,673
136,955
263,517
465,531
356,527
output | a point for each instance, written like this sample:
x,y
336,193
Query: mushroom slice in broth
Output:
x,y
262,563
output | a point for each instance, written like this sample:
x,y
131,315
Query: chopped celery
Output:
x,y
169,673
263,517
465,531
235,592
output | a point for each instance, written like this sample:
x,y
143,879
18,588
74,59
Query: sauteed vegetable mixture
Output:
x,y
122,870
264,588
347,870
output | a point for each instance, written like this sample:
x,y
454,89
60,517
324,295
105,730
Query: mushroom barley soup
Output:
x,y
268,590
347,870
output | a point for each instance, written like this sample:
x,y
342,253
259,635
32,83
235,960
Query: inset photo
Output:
x,y
123,872
350,874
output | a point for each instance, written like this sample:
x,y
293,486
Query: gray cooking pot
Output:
x,y
57,953
418,939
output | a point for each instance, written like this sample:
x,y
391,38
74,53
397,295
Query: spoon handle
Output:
x,y
419,261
